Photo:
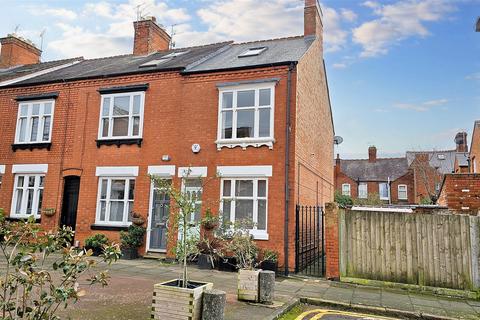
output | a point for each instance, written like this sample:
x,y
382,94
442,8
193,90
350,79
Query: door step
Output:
x,y
155,255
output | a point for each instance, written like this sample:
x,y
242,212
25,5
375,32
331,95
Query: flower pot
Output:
x,y
205,261
247,285
138,221
129,253
96,251
171,301
227,264
269,265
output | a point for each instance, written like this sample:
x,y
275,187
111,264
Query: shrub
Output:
x,y
98,240
43,270
343,200
133,238
373,199
270,255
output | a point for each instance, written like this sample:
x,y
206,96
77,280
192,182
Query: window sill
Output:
x,y
259,235
31,146
108,227
244,143
22,218
119,142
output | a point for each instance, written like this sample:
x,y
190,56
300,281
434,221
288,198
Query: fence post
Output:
x,y
331,241
297,236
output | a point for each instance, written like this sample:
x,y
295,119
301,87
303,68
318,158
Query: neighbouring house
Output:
x,y
79,142
389,178
460,190
430,167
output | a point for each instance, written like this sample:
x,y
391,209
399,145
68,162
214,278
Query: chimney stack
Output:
x,y
312,21
149,37
338,167
17,51
372,154
461,142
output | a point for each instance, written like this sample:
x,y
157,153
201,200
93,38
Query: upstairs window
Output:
x,y
362,190
121,116
402,192
246,113
34,123
346,189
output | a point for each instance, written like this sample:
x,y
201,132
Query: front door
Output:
x,y
160,206
70,201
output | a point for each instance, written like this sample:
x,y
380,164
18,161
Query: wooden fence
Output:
x,y
440,250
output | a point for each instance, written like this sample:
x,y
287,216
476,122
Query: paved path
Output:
x,y
129,295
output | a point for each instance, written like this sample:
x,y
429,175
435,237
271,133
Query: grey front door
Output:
x,y
159,220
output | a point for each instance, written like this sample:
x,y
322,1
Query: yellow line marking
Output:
x,y
322,312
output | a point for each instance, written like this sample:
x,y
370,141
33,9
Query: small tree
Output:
x,y
43,270
184,206
343,200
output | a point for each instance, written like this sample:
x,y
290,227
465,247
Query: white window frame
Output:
x,y
2,172
41,122
256,233
349,193
255,141
362,195
36,210
126,215
400,186
380,191
130,116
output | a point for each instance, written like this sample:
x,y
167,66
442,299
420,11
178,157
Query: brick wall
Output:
x,y
475,149
461,192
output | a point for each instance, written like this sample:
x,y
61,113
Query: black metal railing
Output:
x,y
309,241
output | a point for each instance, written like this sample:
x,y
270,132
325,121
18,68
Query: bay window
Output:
x,y
115,201
246,115
27,195
34,124
121,115
245,199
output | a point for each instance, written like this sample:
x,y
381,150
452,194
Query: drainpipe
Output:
x,y
287,165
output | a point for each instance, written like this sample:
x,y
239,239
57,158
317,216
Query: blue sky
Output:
x,y
403,74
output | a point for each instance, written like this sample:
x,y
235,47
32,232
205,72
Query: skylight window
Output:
x,y
153,63
175,54
252,52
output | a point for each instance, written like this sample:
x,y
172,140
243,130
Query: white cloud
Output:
x,y
348,15
60,13
339,65
397,22
335,37
421,107
473,76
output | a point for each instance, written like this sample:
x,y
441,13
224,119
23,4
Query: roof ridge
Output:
x,y
204,45
60,60
366,159
451,150
271,39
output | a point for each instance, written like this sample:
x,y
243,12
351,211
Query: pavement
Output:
x,y
129,296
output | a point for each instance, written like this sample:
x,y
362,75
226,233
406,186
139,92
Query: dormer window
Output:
x,y
252,52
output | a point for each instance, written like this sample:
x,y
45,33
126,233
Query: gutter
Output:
x,y
287,164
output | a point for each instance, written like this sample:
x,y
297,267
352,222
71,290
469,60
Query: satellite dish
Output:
x,y
337,140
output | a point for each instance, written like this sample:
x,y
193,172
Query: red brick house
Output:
x,y
390,178
80,141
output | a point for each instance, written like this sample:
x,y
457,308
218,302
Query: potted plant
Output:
x,y
96,243
209,249
137,219
270,260
210,221
245,250
188,294
130,241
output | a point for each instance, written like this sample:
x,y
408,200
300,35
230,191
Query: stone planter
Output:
x,y
171,301
269,265
248,285
129,253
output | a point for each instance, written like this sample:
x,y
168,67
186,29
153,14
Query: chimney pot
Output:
x,y
17,51
149,37
372,154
